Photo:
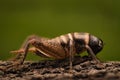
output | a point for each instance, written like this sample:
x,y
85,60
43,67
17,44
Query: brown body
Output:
x,y
59,47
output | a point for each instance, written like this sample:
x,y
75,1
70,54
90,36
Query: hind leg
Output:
x,y
25,45
19,59
32,49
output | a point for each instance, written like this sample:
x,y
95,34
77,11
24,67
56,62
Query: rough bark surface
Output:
x,y
83,69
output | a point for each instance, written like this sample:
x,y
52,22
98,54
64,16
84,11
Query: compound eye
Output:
x,y
100,43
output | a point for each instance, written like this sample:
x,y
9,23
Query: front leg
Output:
x,y
92,54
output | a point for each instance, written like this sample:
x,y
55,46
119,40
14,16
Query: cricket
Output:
x,y
64,46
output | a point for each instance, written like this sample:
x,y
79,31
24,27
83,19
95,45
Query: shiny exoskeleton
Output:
x,y
60,47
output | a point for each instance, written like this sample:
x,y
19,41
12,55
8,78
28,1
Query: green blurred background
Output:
x,y
50,18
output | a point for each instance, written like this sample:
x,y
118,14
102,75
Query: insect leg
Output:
x,y
92,54
32,49
31,37
71,54
21,56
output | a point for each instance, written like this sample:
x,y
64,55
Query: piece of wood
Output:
x,y
83,68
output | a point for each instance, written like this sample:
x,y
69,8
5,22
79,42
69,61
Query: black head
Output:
x,y
95,44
